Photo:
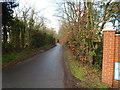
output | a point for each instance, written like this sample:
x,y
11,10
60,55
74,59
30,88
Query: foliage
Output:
x,y
89,77
98,57
40,38
6,19
26,32
118,32
81,28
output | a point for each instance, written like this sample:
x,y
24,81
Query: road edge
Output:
x,y
70,81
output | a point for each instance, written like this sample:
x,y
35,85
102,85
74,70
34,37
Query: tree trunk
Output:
x,y
4,38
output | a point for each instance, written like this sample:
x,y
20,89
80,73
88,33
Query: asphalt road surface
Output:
x,y
44,70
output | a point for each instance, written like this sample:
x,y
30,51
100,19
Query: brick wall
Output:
x,y
111,54
117,57
117,48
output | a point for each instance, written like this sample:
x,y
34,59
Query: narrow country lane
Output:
x,y
44,70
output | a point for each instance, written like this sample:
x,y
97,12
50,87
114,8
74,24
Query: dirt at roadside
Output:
x,y
69,80
92,78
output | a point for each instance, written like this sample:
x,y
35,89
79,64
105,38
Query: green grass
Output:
x,y
100,85
74,65
90,77
15,56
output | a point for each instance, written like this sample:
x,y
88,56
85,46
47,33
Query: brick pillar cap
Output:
x,y
108,30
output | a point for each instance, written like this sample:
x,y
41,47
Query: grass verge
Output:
x,y
13,57
89,77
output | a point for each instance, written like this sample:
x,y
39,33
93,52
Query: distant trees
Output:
x,y
25,32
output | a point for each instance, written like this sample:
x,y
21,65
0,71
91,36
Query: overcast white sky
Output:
x,y
47,7
48,10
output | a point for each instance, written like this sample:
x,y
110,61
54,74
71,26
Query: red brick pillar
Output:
x,y
111,55
116,83
108,57
117,48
